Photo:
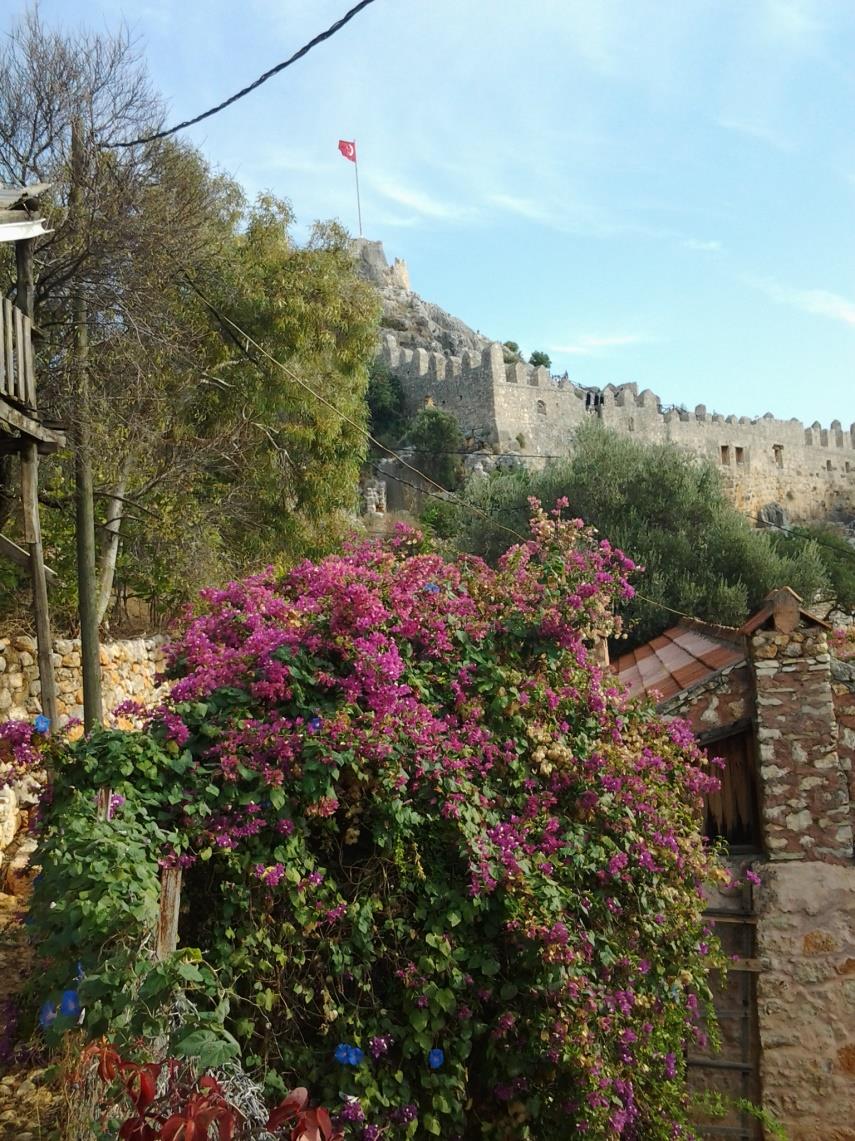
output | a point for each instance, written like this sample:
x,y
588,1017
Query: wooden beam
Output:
x,y
19,557
8,354
33,535
170,903
14,419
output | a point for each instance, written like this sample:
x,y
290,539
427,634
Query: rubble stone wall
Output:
x,y
806,997
725,698
128,670
810,471
843,689
805,786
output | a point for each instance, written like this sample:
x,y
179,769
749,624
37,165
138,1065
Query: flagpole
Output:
x,y
358,203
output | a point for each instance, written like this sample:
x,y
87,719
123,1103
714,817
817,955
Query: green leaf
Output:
x,y
212,1049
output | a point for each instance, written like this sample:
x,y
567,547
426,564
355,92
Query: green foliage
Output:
x,y
94,912
385,396
438,442
218,459
669,511
540,358
439,519
834,552
415,819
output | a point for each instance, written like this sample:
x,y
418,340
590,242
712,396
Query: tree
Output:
x,y
438,442
386,410
540,359
834,551
669,511
207,457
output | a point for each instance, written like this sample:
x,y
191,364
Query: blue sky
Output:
x,y
659,191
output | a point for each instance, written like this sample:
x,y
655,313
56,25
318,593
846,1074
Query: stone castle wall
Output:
x,y
802,703
514,407
128,670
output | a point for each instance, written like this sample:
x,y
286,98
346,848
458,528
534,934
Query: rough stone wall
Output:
x,y
725,698
809,471
843,689
806,997
806,809
128,670
803,704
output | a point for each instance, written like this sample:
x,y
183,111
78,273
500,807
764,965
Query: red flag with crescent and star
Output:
x,y
347,149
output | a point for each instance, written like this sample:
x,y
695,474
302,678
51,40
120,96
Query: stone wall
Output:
x,y
722,700
843,690
809,471
514,407
806,997
128,670
805,784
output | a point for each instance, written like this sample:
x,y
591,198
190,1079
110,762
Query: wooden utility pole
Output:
x,y
84,499
25,300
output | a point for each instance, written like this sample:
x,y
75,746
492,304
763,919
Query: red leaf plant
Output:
x,y
188,1108
308,1124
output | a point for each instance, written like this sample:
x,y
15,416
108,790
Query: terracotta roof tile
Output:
x,y
678,659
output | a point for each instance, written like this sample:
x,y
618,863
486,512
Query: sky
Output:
x,y
658,191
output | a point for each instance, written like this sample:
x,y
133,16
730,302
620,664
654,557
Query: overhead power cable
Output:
x,y
243,340
304,50
798,535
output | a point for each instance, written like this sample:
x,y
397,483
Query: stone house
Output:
x,y
773,701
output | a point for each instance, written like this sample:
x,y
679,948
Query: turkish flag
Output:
x,y
347,149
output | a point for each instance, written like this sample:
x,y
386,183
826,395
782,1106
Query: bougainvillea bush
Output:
x,y
445,874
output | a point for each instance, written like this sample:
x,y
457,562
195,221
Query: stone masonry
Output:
x,y
806,805
128,670
801,701
505,407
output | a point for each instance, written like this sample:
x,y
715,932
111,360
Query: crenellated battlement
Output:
x,y
516,408
510,407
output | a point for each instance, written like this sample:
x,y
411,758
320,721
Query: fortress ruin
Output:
x,y
513,409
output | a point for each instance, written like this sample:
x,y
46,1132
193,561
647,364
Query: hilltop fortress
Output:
x,y
511,412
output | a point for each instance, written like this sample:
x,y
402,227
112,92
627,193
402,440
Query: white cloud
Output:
x,y
792,23
816,302
702,246
524,207
590,345
424,204
754,129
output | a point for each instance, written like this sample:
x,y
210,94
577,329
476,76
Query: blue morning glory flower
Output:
x,y
431,588
47,1014
354,1056
436,1058
342,1051
41,723
70,1004
315,724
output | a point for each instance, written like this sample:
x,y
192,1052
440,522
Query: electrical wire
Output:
x,y
304,50
796,535
243,340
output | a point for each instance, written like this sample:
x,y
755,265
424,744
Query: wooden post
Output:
x,y
25,290
33,537
170,902
25,298
90,648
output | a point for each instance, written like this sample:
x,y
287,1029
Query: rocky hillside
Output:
x,y
417,324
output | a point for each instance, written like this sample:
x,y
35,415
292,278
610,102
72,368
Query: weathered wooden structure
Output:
x,y
23,431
